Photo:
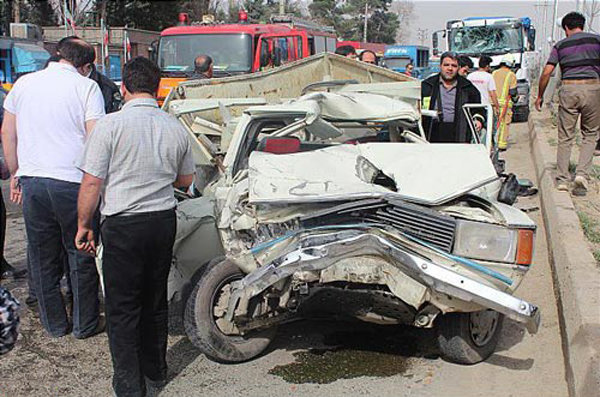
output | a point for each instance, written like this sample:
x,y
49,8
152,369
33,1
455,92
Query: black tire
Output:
x,y
457,343
201,327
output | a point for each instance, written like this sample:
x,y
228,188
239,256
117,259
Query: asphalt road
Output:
x,y
315,358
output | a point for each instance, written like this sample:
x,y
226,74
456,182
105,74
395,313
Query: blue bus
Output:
x,y
397,57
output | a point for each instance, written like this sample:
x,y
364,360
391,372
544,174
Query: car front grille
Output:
x,y
416,221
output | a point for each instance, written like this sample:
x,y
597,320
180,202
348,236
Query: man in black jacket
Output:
x,y
446,93
110,91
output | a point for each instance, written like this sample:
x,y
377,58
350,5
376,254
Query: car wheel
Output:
x,y
469,338
205,323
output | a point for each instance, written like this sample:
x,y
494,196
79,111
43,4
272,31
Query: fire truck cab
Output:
x,y
237,48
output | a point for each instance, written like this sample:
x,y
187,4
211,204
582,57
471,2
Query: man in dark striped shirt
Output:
x,y
579,58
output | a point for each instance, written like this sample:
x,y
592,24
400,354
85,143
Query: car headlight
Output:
x,y
484,241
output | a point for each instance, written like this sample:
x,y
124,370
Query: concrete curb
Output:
x,y
575,272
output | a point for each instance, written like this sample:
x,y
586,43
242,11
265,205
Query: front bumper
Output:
x,y
310,251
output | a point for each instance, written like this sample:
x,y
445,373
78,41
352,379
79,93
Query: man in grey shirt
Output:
x,y
578,99
135,158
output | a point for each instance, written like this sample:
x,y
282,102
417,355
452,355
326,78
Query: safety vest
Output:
x,y
505,93
426,102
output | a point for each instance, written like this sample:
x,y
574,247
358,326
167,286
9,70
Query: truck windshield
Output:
x,y
396,63
229,52
491,40
28,57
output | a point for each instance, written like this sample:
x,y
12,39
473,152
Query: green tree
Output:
x,y
347,17
195,8
327,12
5,15
382,27
260,11
141,14
38,12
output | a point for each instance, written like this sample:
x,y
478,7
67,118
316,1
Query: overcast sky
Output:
x,y
433,14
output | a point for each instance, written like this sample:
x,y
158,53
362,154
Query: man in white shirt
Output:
x,y
48,115
484,81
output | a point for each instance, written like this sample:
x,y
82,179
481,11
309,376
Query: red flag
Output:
x,y
105,43
126,45
69,18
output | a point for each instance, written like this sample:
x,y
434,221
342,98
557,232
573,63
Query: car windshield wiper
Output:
x,y
176,73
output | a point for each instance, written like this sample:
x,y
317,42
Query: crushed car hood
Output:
x,y
429,174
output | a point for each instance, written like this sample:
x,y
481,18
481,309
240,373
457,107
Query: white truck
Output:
x,y
496,37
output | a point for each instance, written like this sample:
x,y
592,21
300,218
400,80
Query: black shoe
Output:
x,y
10,271
154,387
31,301
98,330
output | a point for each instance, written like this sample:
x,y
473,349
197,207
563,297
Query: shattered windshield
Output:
x,y
229,52
486,39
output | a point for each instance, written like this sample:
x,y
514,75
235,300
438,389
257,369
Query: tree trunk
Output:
x,y
17,11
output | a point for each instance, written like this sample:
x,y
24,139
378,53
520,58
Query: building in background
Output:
x,y
114,46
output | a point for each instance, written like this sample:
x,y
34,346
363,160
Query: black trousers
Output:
x,y
444,133
50,214
137,257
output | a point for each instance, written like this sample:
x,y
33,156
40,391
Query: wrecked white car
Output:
x,y
334,203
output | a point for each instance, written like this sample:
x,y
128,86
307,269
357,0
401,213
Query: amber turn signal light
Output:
x,y
525,247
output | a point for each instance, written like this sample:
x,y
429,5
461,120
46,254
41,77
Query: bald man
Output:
x,y
203,67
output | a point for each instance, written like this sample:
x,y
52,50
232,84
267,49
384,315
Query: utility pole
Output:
x,y
544,25
554,27
422,35
17,11
281,7
366,22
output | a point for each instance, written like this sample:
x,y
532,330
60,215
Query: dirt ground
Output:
x,y
588,207
312,358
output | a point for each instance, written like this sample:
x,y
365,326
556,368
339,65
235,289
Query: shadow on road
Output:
x,y
328,350
179,356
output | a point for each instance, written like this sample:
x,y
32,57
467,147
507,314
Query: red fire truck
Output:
x,y
237,48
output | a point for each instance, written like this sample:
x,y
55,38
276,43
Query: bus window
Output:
x,y
331,42
300,48
265,54
311,46
281,50
293,48
320,44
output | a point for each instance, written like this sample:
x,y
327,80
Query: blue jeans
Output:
x,y
50,212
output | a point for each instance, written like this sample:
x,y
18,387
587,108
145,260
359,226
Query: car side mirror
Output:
x,y
435,41
153,51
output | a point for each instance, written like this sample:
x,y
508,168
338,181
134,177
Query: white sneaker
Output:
x,y
562,186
